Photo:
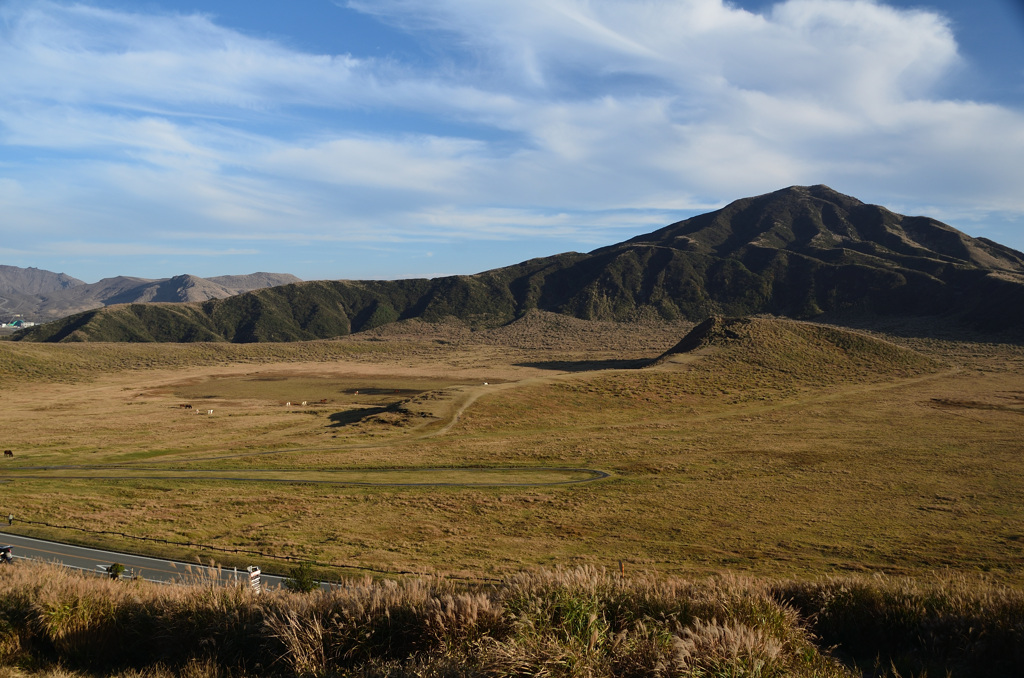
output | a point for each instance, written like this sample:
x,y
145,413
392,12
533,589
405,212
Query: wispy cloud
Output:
x,y
123,249
77,54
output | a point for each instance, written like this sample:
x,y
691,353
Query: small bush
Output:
x,y
301,579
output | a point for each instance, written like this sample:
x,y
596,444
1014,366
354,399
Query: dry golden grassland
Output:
x,y
779,449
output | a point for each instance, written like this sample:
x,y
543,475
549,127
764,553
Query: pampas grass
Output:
x,y
580,622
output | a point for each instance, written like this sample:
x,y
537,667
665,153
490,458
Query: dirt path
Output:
x,y
472,394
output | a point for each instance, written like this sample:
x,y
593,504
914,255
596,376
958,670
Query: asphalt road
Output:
x,y
26,549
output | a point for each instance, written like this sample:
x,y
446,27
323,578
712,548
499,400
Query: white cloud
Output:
x,y
570,115
76,54
842,49
815,90
455,222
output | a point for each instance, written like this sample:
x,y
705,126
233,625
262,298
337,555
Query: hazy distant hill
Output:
x,y
42,295
34,280
799,252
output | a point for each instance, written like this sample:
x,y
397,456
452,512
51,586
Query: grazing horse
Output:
x,y
8,453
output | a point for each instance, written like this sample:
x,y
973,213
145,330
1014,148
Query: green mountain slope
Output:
x,y
798,252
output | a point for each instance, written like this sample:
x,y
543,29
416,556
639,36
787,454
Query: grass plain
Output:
x,y
779,449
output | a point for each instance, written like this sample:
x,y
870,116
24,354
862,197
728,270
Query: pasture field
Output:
x,y
777,449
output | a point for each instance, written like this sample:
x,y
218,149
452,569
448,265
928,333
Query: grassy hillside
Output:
x,y
784,351
76,361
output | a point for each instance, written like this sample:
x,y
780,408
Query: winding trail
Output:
x,y
476,392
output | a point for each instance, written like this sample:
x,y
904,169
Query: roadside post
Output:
x,y
254,578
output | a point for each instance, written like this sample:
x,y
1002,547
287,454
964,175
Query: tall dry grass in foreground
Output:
x,y
551,623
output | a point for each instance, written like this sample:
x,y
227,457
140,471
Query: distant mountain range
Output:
x,y
40,295
800,252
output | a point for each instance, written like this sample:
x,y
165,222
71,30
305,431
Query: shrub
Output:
x,y
301,579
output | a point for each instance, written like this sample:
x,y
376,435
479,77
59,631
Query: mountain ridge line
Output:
x,y
802,252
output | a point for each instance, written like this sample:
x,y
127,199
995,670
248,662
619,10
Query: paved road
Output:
x,y
96,560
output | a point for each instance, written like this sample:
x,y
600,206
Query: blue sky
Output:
x,y
398,138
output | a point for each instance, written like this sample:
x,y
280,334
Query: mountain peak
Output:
x,y
819,221
34,280
820,191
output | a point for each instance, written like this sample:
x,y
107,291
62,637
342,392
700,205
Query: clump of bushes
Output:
x,y
580,622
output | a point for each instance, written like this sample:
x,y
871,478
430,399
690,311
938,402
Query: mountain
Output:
x,y
41,295
803,251
799,252
183,288
30,281
21,289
